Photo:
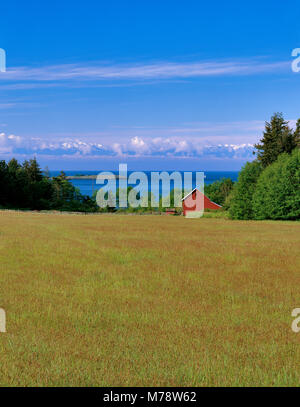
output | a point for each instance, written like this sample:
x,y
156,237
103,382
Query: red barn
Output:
x,y
196,200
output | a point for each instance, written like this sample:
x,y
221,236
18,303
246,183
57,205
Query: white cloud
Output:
x,y
109,72
9,143
16,139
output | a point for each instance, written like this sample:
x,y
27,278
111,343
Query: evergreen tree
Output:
x,y
64,191
277,139
33,170
297,133
13,166
4,194
25,187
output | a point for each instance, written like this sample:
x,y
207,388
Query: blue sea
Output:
x,y
89,186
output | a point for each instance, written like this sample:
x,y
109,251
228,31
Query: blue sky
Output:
x,y
155,84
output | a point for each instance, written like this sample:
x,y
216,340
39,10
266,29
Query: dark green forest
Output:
x,y
269,186
25,186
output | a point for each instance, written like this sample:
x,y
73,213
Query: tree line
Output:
x,y
25,186
269,186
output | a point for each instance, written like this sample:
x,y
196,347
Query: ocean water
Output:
x,y
89,186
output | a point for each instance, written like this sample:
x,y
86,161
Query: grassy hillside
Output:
x,y
148,300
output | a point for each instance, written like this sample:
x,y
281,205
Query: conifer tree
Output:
x,y
277,139
297,133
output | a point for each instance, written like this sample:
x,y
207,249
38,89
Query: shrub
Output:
x,y
277,193
218,191
241,200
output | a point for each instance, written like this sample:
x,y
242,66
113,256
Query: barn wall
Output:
x,y
208,204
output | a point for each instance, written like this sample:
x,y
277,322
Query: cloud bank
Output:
x,y
172,147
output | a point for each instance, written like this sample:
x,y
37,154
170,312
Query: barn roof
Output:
x,y
196,189
190,193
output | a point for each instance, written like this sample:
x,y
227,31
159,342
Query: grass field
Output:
x,y
148,300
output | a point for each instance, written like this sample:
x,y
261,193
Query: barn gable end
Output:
x,y
194,195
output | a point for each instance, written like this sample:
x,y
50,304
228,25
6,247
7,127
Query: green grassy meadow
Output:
x,y
116,300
